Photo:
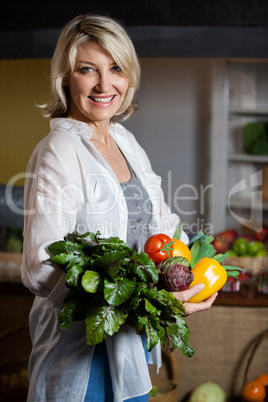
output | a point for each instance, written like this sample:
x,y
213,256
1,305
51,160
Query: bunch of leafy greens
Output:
x,y
111,284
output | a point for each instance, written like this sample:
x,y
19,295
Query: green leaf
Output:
x,y
232,271
118,292
113,243
150,308
202,248
103,320
231,268
73,276
64,259
112,262
177,234
176,336
66,247
221,257
92,281
198,236
151,330
145,268
169,299
66,317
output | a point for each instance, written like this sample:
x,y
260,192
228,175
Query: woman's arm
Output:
x,y
50,208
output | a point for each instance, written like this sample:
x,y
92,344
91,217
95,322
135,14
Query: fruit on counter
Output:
x,y
242,247
223,240
248,237
220,244
261,234
253,391
229,234
207,392
256,246
263,379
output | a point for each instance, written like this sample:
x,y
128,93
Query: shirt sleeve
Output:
x,y
50,205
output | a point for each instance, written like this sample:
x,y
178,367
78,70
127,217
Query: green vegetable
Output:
x,y
255,137
163,265
207,392
200,247
111,284
154,391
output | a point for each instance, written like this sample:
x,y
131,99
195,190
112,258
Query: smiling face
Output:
x,y
97,85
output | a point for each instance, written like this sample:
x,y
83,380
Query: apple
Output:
x,y
223,240
220,243
261,234
229,234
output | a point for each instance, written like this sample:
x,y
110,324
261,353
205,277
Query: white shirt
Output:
x,y
69,186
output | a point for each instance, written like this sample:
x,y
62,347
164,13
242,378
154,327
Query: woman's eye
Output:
x,y
86,69
117,69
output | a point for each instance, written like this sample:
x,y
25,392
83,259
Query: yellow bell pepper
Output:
x,y
212,274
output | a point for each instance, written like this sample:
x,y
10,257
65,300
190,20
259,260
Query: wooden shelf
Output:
x,y
246,203
248,112
238,299
248,158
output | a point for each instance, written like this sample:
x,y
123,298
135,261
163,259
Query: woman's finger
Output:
x,y
186,295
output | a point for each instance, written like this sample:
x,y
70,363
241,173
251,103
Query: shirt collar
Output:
x,y
83,130
75,126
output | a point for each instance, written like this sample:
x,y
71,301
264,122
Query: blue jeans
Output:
x,y
100,384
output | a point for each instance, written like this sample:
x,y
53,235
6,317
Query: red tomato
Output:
x,y
158,247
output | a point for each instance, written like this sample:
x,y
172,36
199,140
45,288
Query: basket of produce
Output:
x,y
254,265
255,389
165,388
248,252
14,374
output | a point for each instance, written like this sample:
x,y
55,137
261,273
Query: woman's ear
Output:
x,y
65,82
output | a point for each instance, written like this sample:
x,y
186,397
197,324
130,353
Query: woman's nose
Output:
x,y
104,82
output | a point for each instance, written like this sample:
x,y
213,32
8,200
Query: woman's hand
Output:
x,y
186,295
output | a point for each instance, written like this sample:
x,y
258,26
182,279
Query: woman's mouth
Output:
x,y
101,99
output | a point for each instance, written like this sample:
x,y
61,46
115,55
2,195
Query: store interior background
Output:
x,y
178,48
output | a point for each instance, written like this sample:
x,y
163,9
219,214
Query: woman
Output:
x,y
90,174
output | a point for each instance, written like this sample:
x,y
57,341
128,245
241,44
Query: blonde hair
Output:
x,y
112,36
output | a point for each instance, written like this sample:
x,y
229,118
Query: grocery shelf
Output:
x,y
233,157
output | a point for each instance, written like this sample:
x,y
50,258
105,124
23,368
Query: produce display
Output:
x,y
256,390
246,245
111,284
248,250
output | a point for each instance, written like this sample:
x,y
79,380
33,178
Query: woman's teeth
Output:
x,y
102,100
